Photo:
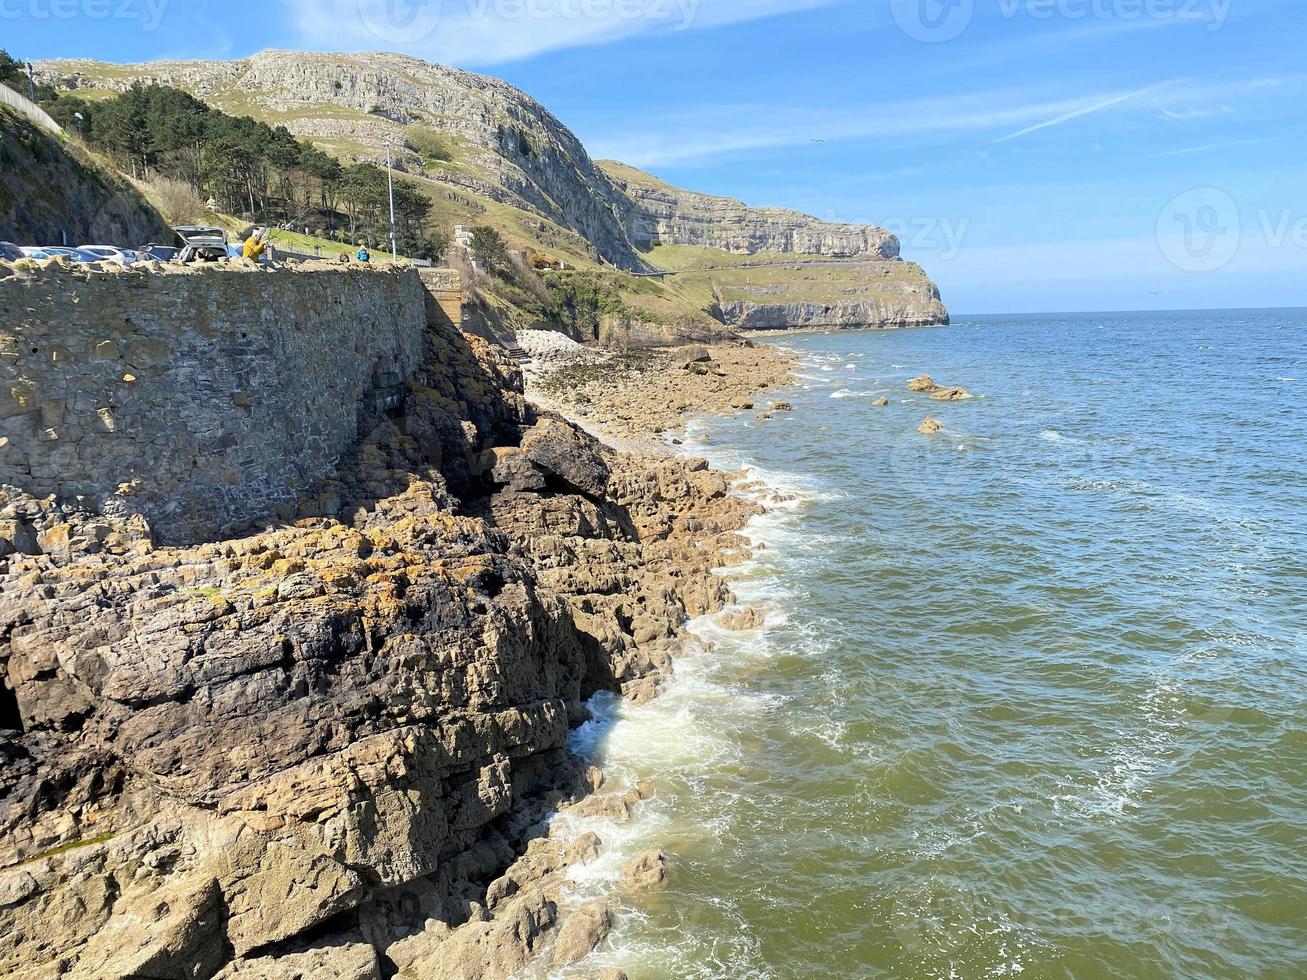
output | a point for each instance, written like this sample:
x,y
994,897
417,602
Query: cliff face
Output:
x,y
512,150
49,189
508,150
313,751
666,215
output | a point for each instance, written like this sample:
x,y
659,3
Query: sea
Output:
x,y
1031,694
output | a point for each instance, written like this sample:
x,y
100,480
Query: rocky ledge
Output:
x,y
331,748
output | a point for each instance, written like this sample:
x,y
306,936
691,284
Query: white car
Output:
x,y
109,253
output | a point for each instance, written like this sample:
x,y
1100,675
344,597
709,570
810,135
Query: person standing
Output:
x,y
255,247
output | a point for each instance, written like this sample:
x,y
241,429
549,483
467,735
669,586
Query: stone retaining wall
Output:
x,y
201,399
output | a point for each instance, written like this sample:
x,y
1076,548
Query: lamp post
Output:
x,y
390,180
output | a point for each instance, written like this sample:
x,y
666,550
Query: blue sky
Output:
x,y
1033,154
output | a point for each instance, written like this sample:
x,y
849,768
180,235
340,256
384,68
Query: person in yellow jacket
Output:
x,y
255,246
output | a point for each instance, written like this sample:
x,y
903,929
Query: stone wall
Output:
x,y
205,400
444,296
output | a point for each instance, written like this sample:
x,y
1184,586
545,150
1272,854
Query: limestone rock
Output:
x,y
745,619
951,394
924,383
930,426
350,962
647,871
581,932
490,950
880,402
565,452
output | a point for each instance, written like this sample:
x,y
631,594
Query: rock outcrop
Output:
x,y
314,750
664,215
905,304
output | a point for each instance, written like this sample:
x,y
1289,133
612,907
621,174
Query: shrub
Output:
x,y
178,201
428,144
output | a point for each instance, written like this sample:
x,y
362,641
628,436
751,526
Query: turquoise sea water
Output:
x,y
1032,694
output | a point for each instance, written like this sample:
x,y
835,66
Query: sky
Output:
x,y
1032,155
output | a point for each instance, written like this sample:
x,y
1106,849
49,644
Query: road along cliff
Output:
x,y
327,745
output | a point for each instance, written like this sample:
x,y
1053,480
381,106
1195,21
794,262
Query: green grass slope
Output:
x,y
51,188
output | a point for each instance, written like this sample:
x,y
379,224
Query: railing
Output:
x,y
28,108
292,253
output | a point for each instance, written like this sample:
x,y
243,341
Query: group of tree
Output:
x,y
248,167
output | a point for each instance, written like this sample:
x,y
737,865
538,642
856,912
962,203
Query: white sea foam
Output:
x,y
688,735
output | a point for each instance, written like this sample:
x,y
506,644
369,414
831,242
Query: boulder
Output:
x,y
509,467
581,932
583,850
647,871
745,619
568,454
490,950
923,383
880,402
930,427
951,394
781,407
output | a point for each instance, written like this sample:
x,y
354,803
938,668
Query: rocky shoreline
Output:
x,y
644,397
335,747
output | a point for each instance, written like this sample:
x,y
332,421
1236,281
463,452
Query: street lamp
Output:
x,y
390,179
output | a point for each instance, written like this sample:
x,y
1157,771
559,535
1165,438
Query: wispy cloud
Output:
x,y
697,133
1078,113
488,32
701,132
1207,148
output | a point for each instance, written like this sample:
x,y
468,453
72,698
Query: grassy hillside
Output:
x,y
50,187
704,274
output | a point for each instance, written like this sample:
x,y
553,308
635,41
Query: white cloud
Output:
x,y
691,133
701,132
1078,113
485,32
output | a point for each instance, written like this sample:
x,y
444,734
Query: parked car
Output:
x,y
54,251
110,253
10,252
159,253
200,244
